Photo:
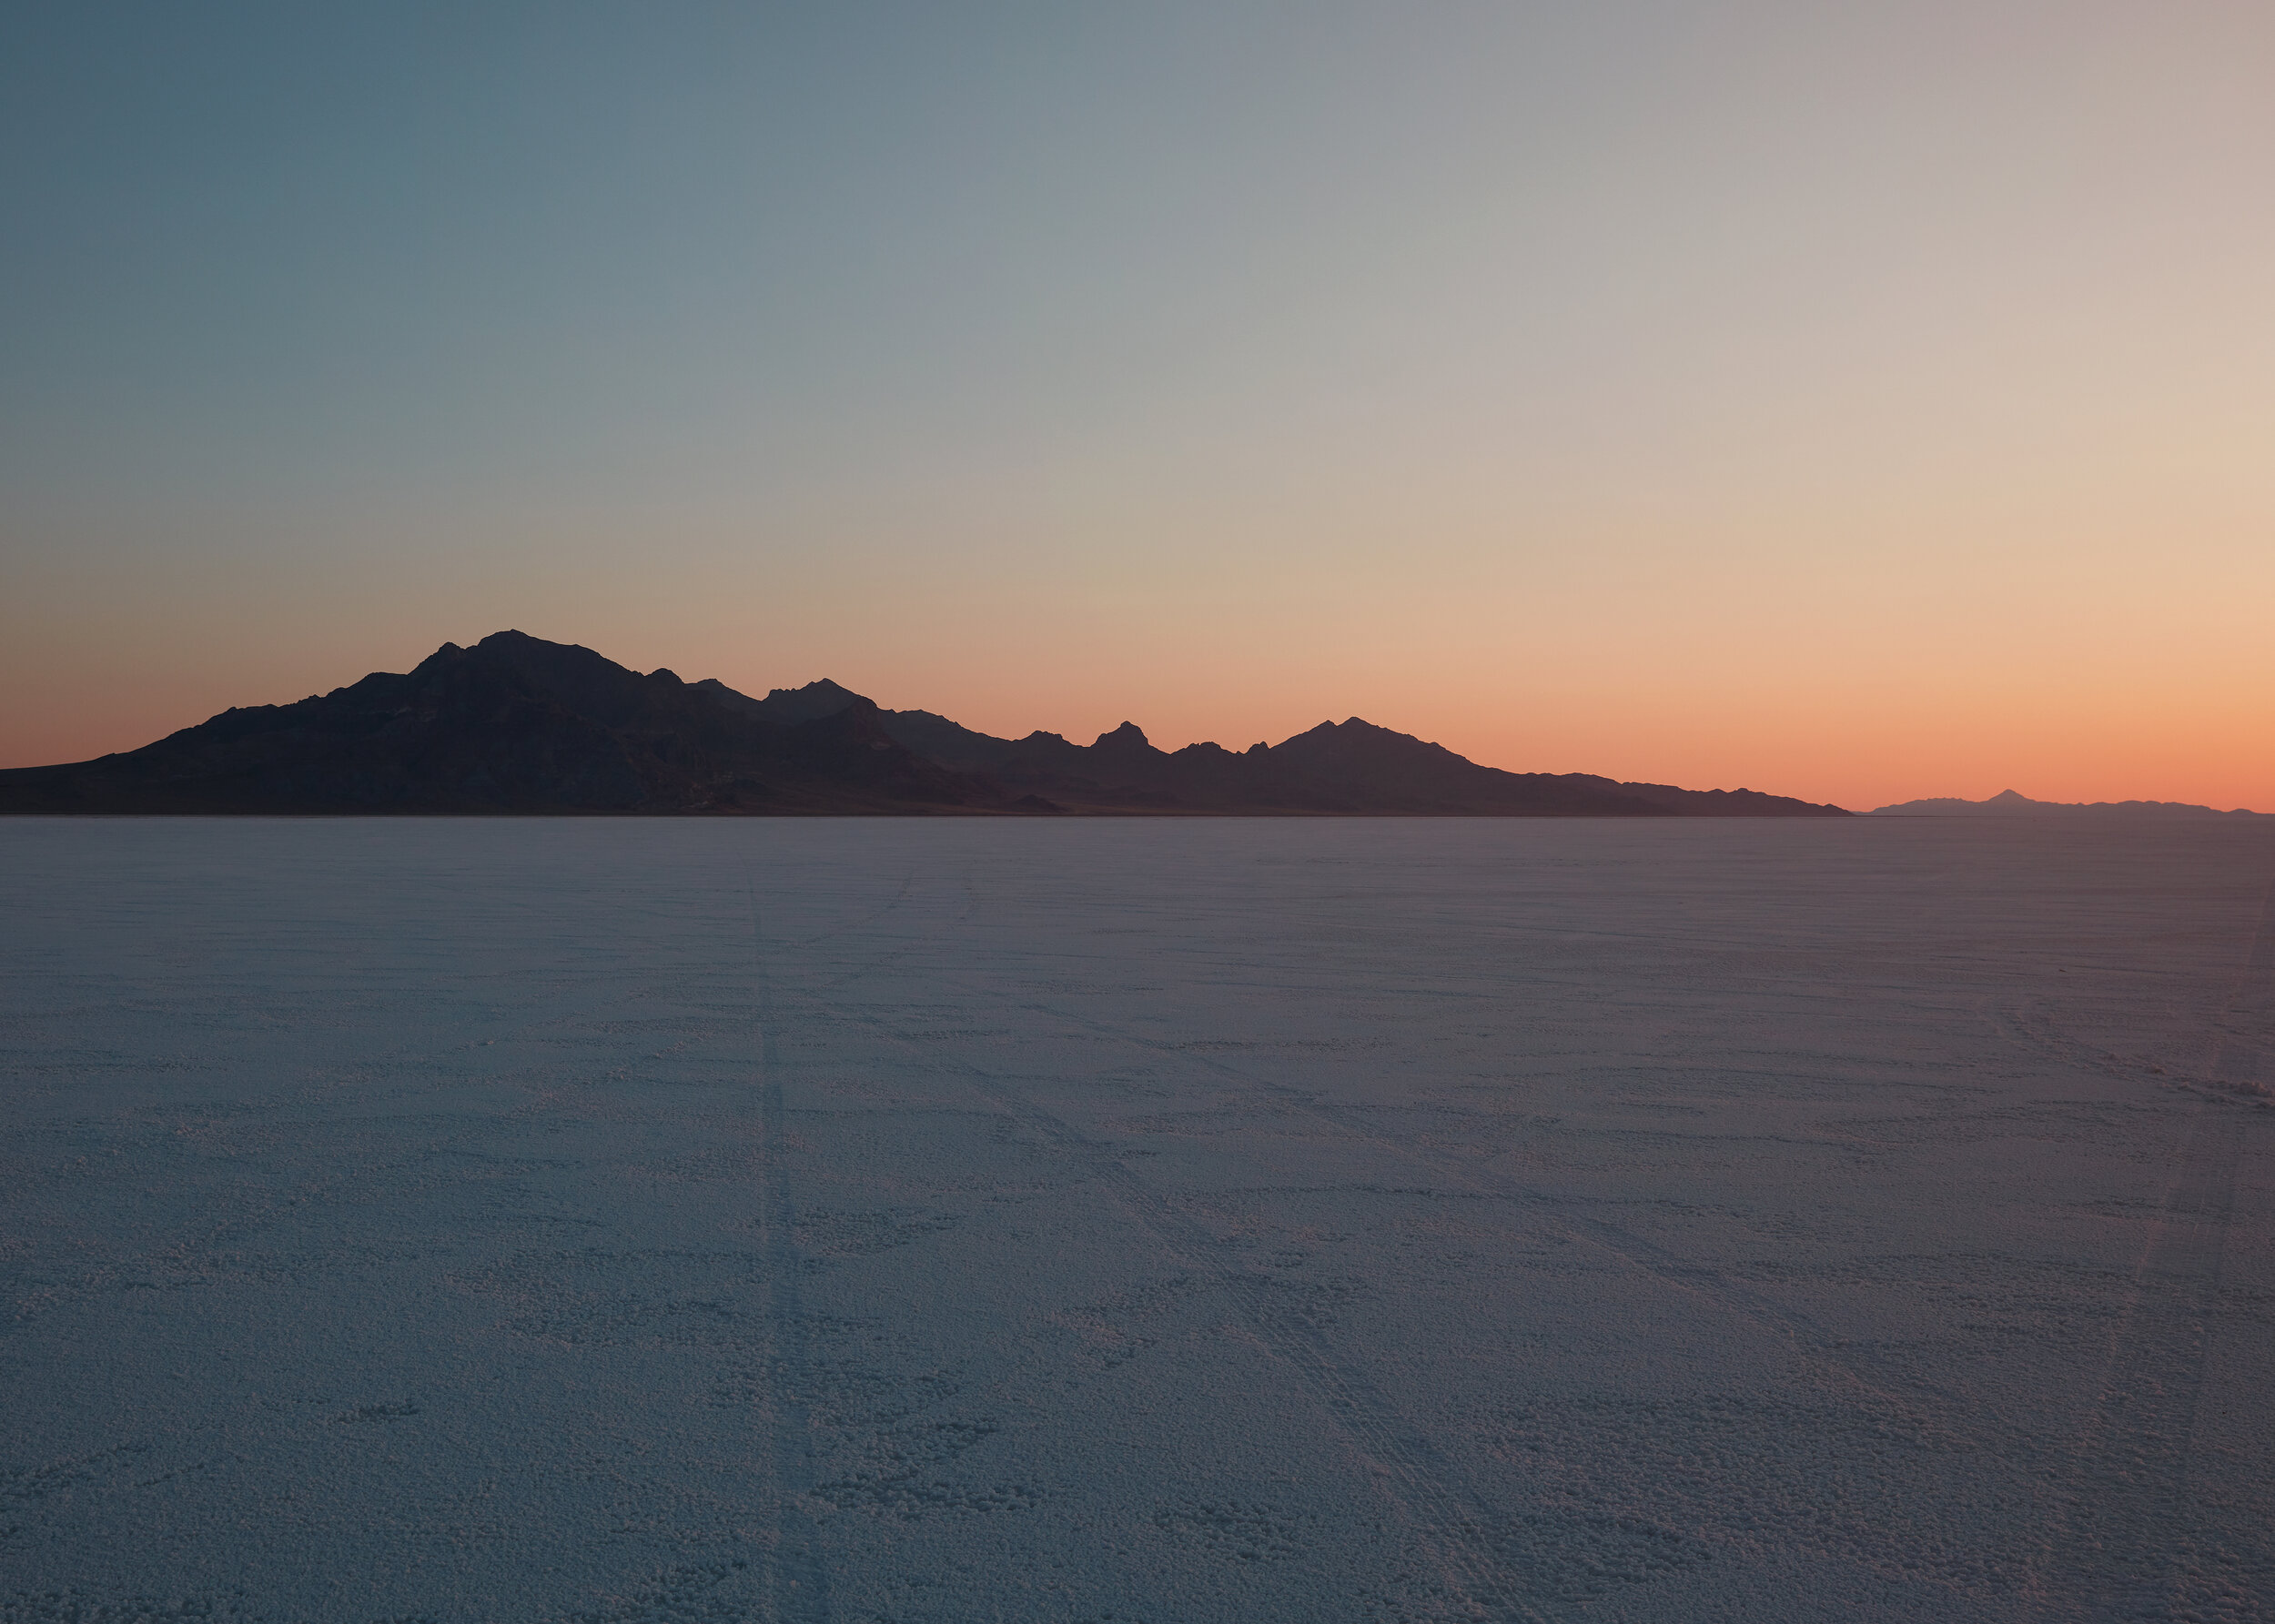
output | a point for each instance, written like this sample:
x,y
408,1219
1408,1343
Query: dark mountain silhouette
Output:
x,y
785,707
1350,767
2006,804
516,725
1338,767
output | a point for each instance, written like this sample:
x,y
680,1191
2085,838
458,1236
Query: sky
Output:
x,y
1850,401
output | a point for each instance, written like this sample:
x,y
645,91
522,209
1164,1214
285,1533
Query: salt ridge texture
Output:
x,y
599,1220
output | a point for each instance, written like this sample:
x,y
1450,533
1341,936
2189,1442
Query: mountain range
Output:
x,y
519,725
2006,804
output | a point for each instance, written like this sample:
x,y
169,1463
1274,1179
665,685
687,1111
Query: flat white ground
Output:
x,y
1165,1221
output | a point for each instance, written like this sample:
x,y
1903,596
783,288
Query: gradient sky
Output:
x,y
1848,401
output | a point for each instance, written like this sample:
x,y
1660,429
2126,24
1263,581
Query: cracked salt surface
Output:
x,y
594,1220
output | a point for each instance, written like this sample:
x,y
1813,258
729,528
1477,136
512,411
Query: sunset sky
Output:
x,y
1850,401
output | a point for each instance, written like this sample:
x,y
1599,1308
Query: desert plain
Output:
x,y
1174,1220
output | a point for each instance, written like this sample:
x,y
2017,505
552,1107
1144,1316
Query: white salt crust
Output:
x,y
1150,1220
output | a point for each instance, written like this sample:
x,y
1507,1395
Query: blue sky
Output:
x,y
1851,401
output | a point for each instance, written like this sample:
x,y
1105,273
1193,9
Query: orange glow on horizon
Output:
x,y
1855,743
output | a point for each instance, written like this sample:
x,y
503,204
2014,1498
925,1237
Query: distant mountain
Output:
x,y
1349,768
516,725
2008,804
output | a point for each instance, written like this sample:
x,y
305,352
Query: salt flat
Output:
x,y
1155,1220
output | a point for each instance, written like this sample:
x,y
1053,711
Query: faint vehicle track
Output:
x,y
2161,1352
1809,1340
1447,1518
2127,1518
2126,1534
798,1587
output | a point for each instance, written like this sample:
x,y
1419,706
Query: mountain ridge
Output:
x,y
2010,804
518,725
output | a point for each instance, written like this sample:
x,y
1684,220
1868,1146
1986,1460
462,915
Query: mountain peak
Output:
x,y
521,724
516,725
788,707
816,700
2009,803
821,690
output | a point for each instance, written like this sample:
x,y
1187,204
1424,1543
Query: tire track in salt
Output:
x,y
1809,1340
2117,1551
2115,1547
1806,1337
798,1575
1447,1519
1451,1521
2162,1347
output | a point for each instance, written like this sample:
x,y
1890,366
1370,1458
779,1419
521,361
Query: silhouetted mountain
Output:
x,y
516,725
2006,804
1350,767
785,707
